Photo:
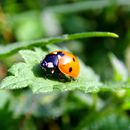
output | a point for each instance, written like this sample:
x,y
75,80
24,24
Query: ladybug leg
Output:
x,y
45,72
60,76
72,78
51,72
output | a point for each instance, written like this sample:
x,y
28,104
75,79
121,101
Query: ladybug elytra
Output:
x,y
61,62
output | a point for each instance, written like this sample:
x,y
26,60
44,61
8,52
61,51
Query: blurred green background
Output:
x,y
24,20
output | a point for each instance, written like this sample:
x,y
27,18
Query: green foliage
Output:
x,y
30,24
99,99
108,122
26,74
86,5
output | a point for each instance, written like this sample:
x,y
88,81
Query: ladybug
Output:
x,y
62,63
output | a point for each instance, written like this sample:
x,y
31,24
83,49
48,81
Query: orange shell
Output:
x,y
68,64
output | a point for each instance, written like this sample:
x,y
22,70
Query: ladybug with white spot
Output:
x,y
61,62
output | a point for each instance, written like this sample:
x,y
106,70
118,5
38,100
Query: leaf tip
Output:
x,y
114,35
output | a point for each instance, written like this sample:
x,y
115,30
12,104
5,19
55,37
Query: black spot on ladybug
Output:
x,y
70,69
73,59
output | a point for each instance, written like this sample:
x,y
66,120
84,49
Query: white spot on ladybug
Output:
x,y
52,71
54,52
50,65
59,56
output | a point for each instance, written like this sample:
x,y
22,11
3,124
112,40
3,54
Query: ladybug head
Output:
x,y
43,64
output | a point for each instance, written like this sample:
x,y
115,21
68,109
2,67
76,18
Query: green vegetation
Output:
x,y
97,32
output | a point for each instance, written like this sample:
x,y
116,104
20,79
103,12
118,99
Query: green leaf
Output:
x,y
120,70
22,77
115,86
29,74
14,47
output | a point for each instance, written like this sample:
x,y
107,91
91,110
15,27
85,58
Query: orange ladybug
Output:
x,y
61,62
